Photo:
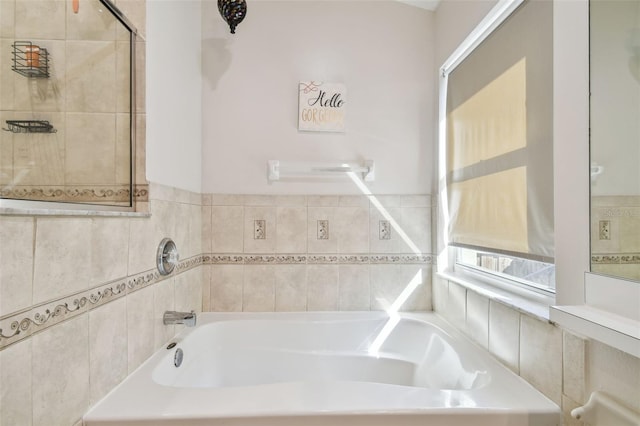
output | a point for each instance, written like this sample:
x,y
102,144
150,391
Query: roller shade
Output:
x,y
499,139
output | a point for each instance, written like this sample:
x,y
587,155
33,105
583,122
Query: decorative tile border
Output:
x,y
81,194
318,259
615,259
20,325
23,324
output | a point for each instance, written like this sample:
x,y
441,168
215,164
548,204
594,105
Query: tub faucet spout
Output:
x,y
174,317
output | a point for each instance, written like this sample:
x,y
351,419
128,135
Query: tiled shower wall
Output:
x,y
81,303
563,366
85,98
299,253
615,235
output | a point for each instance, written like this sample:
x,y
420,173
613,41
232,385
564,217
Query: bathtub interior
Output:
x,y
227,354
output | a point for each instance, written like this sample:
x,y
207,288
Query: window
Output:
x,y
498,150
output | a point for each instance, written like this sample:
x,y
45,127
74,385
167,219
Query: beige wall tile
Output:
x,y
541,356
15,384
323,201
291,287
140,148
353,201
354,290
573,366
291,200
16,258
410,230
440,294
109,249
44,19
123,149
322,287
206,287
7,19
227,229
260,200
141,72
6,52
144,238
504,335
91,76
389,283
478,318
259,293
227,200
456,305
291,228
90,163
314,243
61,377
613,372
251,244
227,282
107,348
62,262
353,229
163,300
189,291
140,327
207,229
90,23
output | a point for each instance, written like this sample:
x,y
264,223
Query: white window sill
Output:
x,y
614,330
525,301
610,313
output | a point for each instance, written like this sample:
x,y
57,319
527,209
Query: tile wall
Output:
x,y
85,98
563,366
81,303
615,235
299,253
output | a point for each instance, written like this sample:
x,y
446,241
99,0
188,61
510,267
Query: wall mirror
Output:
x,y
615,137
67,94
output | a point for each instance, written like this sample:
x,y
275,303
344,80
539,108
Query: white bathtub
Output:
x,y
313,369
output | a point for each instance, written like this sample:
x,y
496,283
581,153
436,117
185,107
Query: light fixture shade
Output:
x,y
233,12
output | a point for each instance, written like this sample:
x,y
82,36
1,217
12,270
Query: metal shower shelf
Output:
x,y
30,60
29,126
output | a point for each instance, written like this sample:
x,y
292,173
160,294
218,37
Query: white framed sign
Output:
x,y
321,106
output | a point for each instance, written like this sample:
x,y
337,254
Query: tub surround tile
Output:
x,y
322,287
456,306
61,262
140,327
478,318
354,291
353,230
440,294
64,396
16,272
291,288
322,201
206,288
258,293
504,335
109,249
256,241
568,405
107,338
226,288
15,385
7,21
573,366
90,23
188,293
320,244
207,228
541,360
291,228
227,229
163,300
391,282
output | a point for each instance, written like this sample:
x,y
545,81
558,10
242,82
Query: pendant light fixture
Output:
x,y
233,12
